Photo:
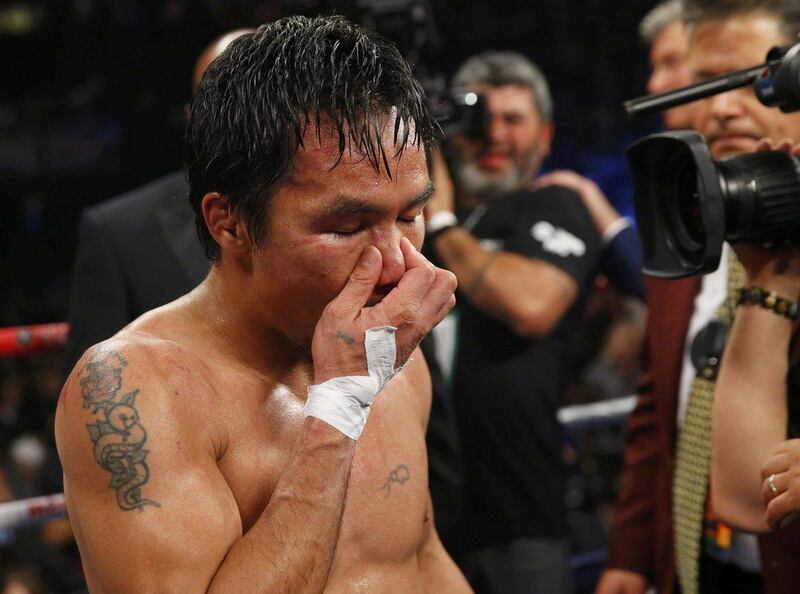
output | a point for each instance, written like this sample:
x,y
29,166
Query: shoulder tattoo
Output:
x,y
116,432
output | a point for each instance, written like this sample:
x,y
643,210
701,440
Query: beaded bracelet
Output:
x,y
769,300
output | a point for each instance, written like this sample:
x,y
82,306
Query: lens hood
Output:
x,y
679,204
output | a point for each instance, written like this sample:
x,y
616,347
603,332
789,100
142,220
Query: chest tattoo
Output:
x,y
399,476
117,435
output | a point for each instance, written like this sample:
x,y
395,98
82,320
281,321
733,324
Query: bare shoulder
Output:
x,y
123,396
140,472
111,372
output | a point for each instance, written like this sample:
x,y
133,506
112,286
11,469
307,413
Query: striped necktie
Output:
x,y
693,456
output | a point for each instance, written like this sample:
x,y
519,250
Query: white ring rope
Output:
x,y
16,514
596,414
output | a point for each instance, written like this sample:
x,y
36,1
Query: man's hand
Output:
x,y
771,269
621,581
421,299
601,211
781,487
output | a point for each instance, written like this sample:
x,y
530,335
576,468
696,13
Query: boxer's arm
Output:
x,y
291,547
153,513
300,527
150,508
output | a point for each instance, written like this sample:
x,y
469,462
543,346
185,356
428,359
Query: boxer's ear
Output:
x,y
225,225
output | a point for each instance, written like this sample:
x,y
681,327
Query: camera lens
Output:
x,y
688,205
683,203
762,197
679,204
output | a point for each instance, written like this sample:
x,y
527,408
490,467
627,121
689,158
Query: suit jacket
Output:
x,y
136,252
621,262
642,531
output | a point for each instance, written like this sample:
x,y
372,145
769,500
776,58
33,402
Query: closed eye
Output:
x,y
409,218
349,232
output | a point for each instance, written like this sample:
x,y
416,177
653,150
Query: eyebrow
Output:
x,y
349,206
704,73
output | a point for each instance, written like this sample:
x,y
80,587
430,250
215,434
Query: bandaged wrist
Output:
x,y
344,402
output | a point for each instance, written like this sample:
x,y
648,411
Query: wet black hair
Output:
x,y
256,100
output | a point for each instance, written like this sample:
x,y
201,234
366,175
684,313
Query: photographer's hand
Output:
x,y
603,214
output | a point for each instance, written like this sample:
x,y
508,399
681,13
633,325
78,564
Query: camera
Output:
x,y
411,25
687,204
462,112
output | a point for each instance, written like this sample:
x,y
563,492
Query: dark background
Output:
x,y
93,92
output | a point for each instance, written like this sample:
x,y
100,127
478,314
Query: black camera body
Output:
x,y
411,25
461,112
687,204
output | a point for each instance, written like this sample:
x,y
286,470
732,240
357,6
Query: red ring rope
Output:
x,y
29,340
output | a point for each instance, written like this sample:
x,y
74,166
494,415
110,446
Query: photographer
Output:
x,y
665,528
525,260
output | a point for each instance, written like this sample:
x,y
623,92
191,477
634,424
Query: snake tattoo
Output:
x,y
116,433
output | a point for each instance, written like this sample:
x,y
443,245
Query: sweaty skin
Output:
x,y
216,481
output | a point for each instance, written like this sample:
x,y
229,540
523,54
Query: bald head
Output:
x,y
214,49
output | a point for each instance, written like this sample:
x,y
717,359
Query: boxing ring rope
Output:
x,y
27,512
21,341
32,340
596,414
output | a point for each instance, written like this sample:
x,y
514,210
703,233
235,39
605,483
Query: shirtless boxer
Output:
x,y
193,459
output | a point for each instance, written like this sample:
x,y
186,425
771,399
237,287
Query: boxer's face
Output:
x,y
324,216
733,122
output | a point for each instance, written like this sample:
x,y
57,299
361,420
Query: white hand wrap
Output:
x,y
343,402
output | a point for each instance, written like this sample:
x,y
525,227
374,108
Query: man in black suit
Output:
x,y
136,251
